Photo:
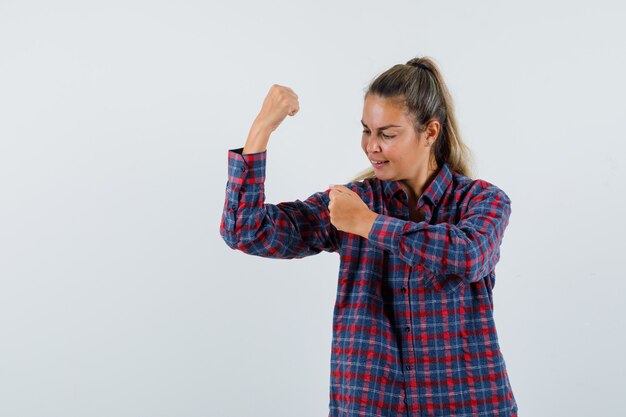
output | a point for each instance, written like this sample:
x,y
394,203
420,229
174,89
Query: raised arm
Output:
x,y
458,253
285,230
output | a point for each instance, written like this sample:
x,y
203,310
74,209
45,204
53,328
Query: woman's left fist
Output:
x,y
348,212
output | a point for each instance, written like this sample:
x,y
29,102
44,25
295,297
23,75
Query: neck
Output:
x,y
415,187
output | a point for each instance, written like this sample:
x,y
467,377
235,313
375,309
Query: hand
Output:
x,y
348,212
279,102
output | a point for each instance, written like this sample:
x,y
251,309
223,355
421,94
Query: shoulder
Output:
x,y
363,185
476,188
366,188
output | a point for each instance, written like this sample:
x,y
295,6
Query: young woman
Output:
x,y
413,333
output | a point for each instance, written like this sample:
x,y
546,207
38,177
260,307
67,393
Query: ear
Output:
x,y
433,127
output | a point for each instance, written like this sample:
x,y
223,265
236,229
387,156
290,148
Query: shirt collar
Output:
x,y
434,191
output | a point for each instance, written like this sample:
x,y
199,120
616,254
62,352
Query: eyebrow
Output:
x,y
382,127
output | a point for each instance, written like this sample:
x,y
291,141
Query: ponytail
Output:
x,y
420,84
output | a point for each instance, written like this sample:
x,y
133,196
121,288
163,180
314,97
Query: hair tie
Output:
x,y
417,64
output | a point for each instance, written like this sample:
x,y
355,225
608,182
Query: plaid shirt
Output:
x,y
413,326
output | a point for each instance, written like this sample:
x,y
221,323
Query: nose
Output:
x,y
372,145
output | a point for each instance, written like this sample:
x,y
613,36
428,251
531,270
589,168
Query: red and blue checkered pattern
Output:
x,y
414,332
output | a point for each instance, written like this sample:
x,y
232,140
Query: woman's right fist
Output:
x,y
279,102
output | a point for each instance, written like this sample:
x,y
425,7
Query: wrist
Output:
x,y
366,223
258,137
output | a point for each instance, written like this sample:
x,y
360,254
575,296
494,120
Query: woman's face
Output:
x,y
389,135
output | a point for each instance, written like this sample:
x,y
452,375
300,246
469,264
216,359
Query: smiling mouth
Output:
x,y
379,164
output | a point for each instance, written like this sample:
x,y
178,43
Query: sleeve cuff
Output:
x,y
249,167
387,231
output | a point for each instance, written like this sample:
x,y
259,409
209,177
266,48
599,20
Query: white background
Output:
x,y
119,298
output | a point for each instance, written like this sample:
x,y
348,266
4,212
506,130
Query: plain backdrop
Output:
x,y
118,296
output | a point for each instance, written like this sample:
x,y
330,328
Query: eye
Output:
x,y
387,137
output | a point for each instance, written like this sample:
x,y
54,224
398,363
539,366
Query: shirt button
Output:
x,y
407,329
243,168
408,367
406,401
403,289
233,206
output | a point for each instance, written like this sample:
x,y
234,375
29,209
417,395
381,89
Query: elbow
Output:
x,y
238,234
473,272
251,242
228,227
229,236
231,241
479,263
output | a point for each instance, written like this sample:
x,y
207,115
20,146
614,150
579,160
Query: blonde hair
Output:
x,y
420,85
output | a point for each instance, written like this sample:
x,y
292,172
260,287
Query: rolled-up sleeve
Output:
x,y
285,230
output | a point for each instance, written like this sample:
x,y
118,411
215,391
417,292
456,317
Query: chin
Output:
x,y
383,176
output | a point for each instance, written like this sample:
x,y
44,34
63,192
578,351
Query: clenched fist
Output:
x,y
348,212
279,102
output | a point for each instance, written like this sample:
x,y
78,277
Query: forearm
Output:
x,y
467,249
258,137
